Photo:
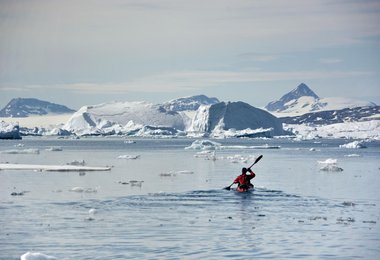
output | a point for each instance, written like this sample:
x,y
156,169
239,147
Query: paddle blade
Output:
x,y
227,188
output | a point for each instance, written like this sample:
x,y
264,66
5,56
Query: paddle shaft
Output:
x,y
256,161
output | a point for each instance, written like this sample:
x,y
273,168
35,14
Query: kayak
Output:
x,y
244,189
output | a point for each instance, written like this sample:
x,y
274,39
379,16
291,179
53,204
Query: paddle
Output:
x,y
256,161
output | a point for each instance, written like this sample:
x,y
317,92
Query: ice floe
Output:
x,y
83,190
24,151
354,145
128,157
54,149
77,163
37,256
330,165
265,146
207,155
352,155
62,168
204,145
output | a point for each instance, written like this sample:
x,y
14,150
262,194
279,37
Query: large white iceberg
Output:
x,y
114,117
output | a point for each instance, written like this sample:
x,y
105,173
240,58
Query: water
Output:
x,y
180,210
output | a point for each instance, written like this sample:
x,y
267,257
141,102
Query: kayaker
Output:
x,y
244,180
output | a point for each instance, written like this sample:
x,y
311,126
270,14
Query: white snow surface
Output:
x,y
349,130
307,104
121,117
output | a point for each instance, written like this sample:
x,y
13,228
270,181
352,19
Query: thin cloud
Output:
x,y
195,81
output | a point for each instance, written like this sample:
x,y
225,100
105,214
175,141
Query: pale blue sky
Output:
x,y
88,52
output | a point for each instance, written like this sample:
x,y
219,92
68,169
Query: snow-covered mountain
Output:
x,y
234,115
24,107
356,114
189,103
302,100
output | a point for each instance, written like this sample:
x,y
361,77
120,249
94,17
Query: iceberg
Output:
x,y
353,145
330,165
109,118
204,145
9,131
235,116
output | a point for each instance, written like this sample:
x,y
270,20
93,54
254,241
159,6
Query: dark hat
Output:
x,y
244,170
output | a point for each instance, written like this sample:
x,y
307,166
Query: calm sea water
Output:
x,y
178,208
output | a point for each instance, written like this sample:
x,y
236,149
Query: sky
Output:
x,y
82,52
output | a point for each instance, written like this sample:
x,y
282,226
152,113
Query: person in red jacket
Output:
x,y
244,180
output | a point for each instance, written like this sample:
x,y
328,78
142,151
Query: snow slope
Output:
x,y
350,130
23,107
302,100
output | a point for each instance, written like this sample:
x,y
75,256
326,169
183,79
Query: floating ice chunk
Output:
x,y
136,183
81,189
352,155
54,149
330,165
354,145
204,145
328,161
129,157
207,155
129,142
168,174
77,163
59,168
265,146
25,151
185,172
37,256
19,145
331,168
92,212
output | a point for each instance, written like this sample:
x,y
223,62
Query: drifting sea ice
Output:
x,y
36,256
207,155
330,165
25,151
77,163
354,145
204,145
352,155
54,149
85,190
128,157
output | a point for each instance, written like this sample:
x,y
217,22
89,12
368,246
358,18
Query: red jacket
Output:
x,y
245,179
